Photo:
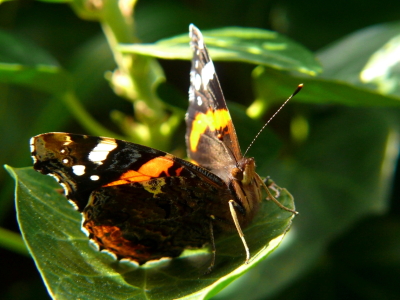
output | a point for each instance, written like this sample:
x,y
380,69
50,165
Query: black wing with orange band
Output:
x,y
210,137
137,202
83,164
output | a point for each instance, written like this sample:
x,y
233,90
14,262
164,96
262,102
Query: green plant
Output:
x,y
334,146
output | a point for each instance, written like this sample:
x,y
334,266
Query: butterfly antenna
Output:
x,y
299,87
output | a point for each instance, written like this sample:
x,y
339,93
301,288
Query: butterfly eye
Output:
x,y
237,174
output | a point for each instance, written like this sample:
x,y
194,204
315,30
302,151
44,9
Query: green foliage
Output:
x,y
249,45
71,268
334,146
37,71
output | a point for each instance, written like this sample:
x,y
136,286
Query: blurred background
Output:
x,y
341,167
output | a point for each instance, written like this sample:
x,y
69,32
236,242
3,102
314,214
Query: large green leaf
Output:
x,y
250,45
72,269
273,86
364,56
359,70
339,174
349,271
340,171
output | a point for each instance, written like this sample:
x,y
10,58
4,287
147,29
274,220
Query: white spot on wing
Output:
x,y
197,82
94,177
54,176
66,192
207,73
83,229
199,101
192,75
112,255
191,93
200,42
32,144
79,170
129,263
73,204
92,243
101,151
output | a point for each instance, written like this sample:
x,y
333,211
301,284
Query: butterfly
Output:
x,y
143,204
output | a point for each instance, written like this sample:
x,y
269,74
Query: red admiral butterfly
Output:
x,y
143,204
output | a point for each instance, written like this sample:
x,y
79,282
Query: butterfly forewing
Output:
x,y
210,136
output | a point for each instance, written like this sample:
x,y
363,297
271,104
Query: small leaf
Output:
x,y
250,45
12,241
72,269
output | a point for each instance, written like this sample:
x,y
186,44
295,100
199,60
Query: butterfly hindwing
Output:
x,y
137,202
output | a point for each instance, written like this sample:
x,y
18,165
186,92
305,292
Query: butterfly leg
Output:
x,y
271,197
232,205
272,186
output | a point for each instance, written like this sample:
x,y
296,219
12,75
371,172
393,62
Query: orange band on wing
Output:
x,y
212,120
112,239
128,177
156,166
152,169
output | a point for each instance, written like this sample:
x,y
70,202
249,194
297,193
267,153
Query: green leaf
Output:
x,y
381,68
57,1
23,63
45,78
72,269
345,62
273,86
250,45
346,58
341,173
12,241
